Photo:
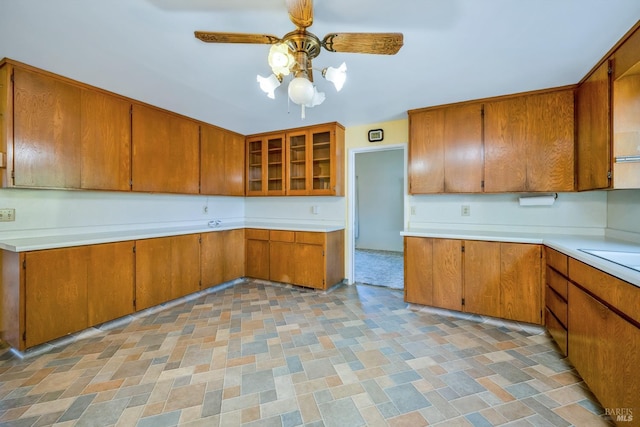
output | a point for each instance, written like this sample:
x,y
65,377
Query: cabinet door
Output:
x,y
275,166
165,152
234,254
310,266
298,163
105,141
482,278
593,114
55,294
626,129
447,274
257,253
283,257
212,253
520,277
185,265
256,172
550,147
110,283
529,143
418,270
221,162
605,349
46,128
426,152
505,139
323,161
153,272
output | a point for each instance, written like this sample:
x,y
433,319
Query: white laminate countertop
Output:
x,y
23,244
567,244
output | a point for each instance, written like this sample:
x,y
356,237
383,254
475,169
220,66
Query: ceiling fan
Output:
x,y
294,52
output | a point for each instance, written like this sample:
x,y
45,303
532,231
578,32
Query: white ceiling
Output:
x,y
454,50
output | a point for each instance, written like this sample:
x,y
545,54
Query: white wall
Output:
x,y
292,210
572,213
50,212
380,200
623,210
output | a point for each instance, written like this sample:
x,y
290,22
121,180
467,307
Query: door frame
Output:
x,y
351,192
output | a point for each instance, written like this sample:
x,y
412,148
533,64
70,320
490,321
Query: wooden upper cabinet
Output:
x,y
593,141
445,150
221,162
46,130
105,142
265,165
529,143
165,152
296,162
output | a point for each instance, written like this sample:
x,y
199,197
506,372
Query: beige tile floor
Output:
x,y
263,354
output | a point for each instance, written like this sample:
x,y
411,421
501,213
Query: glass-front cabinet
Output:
x,y
298,162
265,166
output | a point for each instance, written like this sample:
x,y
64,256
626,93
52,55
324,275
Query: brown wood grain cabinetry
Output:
x,y
165,152
311,259
626,127
488,278
605,349
296,162
257,253
89,284
46,131
529,143
593,133
105,135
556,297
445,150
221,162
433,272
166,268
222,256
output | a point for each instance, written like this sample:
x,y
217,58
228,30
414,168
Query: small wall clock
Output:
x,y
375,135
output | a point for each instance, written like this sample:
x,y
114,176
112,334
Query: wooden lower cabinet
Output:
x,y
221,256
489,278
605,349
166,268
311,259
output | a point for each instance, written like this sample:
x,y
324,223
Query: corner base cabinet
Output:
x,y
310,259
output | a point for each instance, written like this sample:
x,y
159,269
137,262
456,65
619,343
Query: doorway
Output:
x,y
377,191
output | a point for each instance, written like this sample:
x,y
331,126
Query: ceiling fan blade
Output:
x,y
377,43
215,37
301,12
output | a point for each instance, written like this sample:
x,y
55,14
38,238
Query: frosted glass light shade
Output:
x,y
318,98
337,76
269,84
301,91
280,59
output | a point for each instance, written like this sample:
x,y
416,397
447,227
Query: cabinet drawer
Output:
x,y
622,295
558,282
557,305
557,260
557,331
256,234
310,238
281,236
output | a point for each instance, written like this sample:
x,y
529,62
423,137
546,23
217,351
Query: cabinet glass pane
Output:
x,y
255,166
321,160
297,162
275,166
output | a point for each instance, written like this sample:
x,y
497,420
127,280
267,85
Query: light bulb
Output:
x,y
280,59
301,91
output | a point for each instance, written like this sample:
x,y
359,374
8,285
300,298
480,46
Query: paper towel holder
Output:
x,y
538,199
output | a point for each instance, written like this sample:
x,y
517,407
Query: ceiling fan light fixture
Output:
x,y
301,90
337,76
269,84
281,59
318,98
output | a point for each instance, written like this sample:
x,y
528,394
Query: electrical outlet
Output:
x,y
7,214
465,210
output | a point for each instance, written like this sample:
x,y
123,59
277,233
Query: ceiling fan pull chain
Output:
x,y
302,111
